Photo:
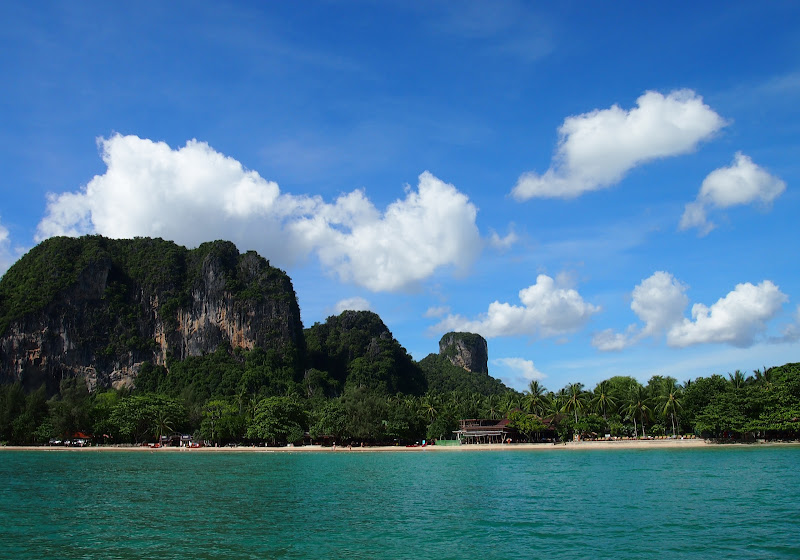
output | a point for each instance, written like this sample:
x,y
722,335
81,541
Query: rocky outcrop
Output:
x,y
115,304
467,350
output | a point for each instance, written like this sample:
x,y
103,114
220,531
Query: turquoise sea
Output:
x,y
719,502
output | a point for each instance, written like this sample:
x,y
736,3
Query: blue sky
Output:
x,y
598,189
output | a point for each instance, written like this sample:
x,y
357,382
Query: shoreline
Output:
x,y
569,446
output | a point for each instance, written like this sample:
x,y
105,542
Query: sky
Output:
x,y
596,188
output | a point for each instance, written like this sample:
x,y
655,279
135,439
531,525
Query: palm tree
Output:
x,y
556,401
737,379
491,407
430,405
509,402
602,400
638,404
669,401
575,400
763,376
475,406
163,423
535,399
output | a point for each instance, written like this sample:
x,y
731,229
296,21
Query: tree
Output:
x,y
222,421
700,393
727,413
140,415
737,379
638,404
669,401
764,376
491,407
535,398
330,420
277,420
366,414
103,404
528,424
69,410
602,400
442,427
510,401
430,405
574,400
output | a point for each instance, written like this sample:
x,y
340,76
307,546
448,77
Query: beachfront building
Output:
x,y
484,430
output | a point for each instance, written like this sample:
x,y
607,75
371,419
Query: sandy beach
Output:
x,y
499,447
570,446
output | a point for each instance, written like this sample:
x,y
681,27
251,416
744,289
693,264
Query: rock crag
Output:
x,y
467,350
99,308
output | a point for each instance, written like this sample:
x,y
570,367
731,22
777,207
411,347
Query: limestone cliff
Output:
x,y
466,350
99,308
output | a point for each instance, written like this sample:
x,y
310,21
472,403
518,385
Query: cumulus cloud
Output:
x,y
522,372
596,149
743,182
188,195
736,319
432,227
548,309
352,304
195,194
660,300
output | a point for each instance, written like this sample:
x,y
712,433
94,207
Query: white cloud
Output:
x,y
743,182
195,194
523,372
190,195
547,309
609,341
432,227
433,312
596,149
658,302
502,243
736,319
352,304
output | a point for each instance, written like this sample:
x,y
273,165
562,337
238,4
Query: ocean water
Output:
x,y
719,502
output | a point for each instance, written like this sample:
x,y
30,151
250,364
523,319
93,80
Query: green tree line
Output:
x,y
251,398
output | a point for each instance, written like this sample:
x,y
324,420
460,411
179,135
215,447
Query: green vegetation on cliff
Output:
x,y
355,348
444,376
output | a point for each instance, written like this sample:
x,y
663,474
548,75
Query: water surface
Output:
x,y
719,502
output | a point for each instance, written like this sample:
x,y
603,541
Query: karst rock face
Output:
x,y
466,350
99,308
